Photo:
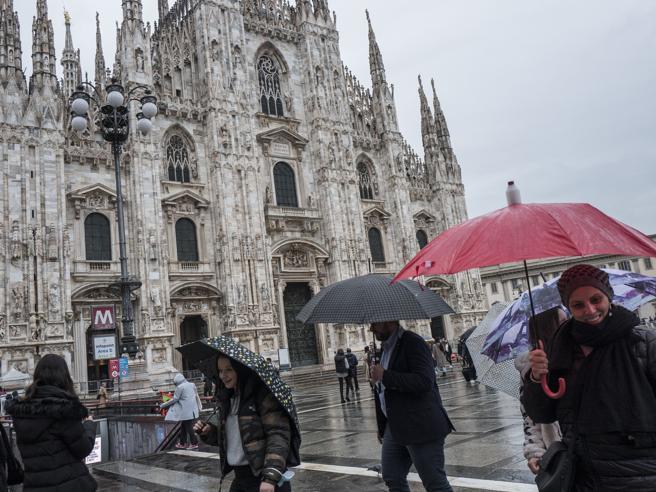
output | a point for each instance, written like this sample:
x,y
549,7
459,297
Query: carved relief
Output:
x,y
296,257
52,249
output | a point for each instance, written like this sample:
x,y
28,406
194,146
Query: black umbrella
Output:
x,y
370,299
204,353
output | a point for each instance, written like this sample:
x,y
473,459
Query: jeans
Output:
x,y
187,432
428,459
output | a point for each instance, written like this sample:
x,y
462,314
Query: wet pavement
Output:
x,y
340,446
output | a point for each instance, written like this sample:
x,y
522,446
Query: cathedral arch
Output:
x,y
422,238
272,80
97,237
284,181
367,181
186,240
376,245
179,155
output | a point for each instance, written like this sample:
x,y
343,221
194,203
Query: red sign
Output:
x,y
102,317
113,368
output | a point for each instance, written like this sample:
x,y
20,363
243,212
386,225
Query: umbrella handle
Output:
x,y
562,387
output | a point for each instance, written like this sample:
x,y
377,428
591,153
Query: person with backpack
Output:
x,y
54,432
353,368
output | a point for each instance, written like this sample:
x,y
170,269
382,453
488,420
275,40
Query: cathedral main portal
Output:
x,y
192,328
302,338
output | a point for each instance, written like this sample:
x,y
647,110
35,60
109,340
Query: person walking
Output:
x,y
102,395
367,366
184,407
608,412
343,375
412,423
54,432
253,431
353,368
208,386
439,357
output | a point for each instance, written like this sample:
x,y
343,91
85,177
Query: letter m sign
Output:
x,y
103,317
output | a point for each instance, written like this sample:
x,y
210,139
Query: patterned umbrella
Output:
x,y
508,336
204,353
502,376
371,298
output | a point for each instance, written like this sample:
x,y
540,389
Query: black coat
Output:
x,y
53,441
609,462
340,364
415,414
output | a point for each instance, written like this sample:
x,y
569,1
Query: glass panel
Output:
x,y
285,184
422,239
376,246
269,79
97,238
177,156
185,240
366,190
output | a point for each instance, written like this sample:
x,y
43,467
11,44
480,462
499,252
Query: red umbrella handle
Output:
x,y
562,385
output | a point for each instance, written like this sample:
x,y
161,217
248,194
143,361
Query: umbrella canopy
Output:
x,y
527,231
508,336
502,376
371,298
204,353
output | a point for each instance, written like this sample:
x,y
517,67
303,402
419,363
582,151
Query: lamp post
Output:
x,y
114,119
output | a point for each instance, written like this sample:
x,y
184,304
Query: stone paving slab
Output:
x,y
339,445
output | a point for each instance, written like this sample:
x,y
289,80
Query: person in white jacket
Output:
x,y
184,407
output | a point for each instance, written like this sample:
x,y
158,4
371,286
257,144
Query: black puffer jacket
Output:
x,y
610,462
53,441
340,364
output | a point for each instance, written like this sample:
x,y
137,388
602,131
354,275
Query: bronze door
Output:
x,y
302,338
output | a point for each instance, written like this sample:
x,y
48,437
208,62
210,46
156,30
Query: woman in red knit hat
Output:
x,y
608,413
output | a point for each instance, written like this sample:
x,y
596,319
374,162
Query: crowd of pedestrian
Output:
x,y
598,435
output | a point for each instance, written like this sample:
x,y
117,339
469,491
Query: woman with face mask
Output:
x,y
608,361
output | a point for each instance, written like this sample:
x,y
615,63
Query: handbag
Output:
x,y
557,466
558,463
15,472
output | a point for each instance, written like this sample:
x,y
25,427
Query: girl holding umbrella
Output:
x,y
256,428
608,413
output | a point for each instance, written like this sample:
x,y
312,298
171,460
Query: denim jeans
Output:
x,y
428,459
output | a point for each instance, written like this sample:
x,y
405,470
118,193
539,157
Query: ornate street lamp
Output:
x,y
114,118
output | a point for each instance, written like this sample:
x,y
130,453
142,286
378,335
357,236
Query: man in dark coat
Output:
x,y
353,367
412,423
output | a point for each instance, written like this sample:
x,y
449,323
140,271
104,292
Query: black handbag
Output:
x,y
557,467
15,472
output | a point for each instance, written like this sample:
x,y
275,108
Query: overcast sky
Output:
x,y
558,95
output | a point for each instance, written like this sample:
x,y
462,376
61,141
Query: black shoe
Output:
x,y
343,401
348,399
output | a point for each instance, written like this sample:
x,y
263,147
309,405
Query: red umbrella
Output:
x,y
524,232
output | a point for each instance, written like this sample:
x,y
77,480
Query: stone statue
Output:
x,y
155,299
16,243
54,298
19,296
152,247
53,252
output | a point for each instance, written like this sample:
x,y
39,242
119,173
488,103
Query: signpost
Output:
x,y
113,368
103,317
104,347
123,367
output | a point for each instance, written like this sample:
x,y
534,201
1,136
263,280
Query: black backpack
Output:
x,y
14,468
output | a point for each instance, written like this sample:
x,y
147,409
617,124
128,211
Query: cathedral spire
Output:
x,y
428,132
163,7
100,75
43,48
440,122
11,65
376,65
132,11
70,60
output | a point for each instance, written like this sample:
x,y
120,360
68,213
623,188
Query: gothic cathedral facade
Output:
x,y
271,171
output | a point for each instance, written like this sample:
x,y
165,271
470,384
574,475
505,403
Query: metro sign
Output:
x,y
102,318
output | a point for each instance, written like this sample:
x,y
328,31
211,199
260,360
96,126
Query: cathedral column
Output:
x,y
281,284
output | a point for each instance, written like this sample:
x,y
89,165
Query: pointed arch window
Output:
x,y
270,91
422,238
376,246
177,159
185,240
97,238
366,185
285,183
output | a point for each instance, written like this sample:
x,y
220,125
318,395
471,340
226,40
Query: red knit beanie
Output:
x,y
580,276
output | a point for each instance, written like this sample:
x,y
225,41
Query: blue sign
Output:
x,y
123,367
